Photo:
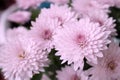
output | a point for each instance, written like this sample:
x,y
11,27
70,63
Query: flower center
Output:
x,y
75,77
22,55
98,21
81,41
112,65
47,35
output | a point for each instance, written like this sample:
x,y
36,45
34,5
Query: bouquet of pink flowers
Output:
x,y
67,40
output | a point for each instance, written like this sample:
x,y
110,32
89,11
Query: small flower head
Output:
x,y
62,14
103,19
85,6
43,31
108,67
20,17
22,58
68,73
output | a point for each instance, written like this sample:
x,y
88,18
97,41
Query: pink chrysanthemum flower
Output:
x,y
85,6
20,17
22,58
79,40
25,4
43,31
103,19
63,14
59,1
108,67
68,73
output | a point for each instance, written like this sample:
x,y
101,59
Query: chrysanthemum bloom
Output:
x,y
43,31
20,59
25,4
20,17
63,14
59,1
103,19
79,40
85,6
108,67
68,73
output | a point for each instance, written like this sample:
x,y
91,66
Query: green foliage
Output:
x,y
55,64
115,13
35,13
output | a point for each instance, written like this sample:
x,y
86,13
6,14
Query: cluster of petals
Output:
x,y
45,26
79,40
108,67
97,12
25,4
79,32
63,14
43,31
19,17
21,58
85,6
103,19
68,73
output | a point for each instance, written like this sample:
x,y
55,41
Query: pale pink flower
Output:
x,y
108,67
59,1
79,40
63,14
103,19
43,31
20,17
22,58
85,6
25,4
68,73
